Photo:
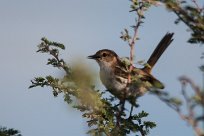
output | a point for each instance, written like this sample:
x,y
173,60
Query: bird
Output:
x,y
114,72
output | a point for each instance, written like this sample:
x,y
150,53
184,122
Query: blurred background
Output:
x,y
83,27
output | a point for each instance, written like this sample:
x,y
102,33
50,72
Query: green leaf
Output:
x,y
143,114
149,124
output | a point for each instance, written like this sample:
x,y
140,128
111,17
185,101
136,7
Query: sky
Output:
x,y
84,27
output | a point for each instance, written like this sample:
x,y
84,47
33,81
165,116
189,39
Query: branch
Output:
x,y
139,12
190,16
46,47
190,117
197,6
185,80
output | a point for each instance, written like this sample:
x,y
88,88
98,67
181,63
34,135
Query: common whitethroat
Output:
x,y
114,72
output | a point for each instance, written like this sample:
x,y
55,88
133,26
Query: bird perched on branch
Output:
x,y
114,72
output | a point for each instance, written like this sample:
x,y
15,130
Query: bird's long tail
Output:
x,y
161,47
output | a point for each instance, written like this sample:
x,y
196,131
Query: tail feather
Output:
x,y
161,47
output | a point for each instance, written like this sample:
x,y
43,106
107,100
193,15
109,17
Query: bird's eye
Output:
x,y
104,54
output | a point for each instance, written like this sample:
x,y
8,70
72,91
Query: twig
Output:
x,y
195,88
142,132
132,41
197,6
60,62
190,118
191,122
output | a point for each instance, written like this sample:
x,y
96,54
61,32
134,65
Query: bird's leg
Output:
x,y
131,110
122,103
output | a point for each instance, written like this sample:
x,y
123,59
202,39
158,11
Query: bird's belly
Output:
x,y
111,83
118,85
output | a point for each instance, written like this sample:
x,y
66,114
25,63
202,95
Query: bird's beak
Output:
x,y
93,56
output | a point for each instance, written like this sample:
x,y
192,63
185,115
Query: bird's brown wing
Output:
x,y
122,70
146,77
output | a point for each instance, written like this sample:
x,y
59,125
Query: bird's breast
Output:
x,y
111,81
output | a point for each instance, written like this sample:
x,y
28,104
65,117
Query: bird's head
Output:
x,y
105,57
